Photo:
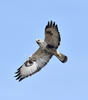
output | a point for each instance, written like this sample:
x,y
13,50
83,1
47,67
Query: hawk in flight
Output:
x,y
47,48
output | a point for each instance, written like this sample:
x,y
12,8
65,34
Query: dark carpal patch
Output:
x,y
28,63
49,32
49,46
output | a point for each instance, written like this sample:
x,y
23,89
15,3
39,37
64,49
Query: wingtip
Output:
x,y
17,72
21,79
52,24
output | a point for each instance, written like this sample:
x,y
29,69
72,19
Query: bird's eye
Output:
x,y
38,40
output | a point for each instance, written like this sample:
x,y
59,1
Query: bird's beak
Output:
x,y
37,41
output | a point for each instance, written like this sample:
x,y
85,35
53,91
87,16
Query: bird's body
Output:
x,y
47,48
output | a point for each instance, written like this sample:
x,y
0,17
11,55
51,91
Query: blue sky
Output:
x,y
21,23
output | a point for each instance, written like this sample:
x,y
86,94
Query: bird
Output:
x,y
47,49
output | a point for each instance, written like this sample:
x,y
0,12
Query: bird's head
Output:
x,y
41,43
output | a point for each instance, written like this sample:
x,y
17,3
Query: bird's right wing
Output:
x,y
38,60
52,34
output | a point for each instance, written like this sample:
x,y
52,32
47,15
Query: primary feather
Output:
x,y
36,62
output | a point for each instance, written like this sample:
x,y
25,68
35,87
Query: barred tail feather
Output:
x,y
61,57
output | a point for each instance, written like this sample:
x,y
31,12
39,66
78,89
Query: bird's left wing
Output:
x,y
38,60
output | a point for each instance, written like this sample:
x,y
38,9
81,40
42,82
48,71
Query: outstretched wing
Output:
x,y
38,60
52,35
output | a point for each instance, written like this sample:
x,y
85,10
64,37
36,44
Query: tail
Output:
x,y
61,57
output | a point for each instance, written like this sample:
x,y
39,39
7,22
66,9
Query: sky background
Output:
x,y
21,23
